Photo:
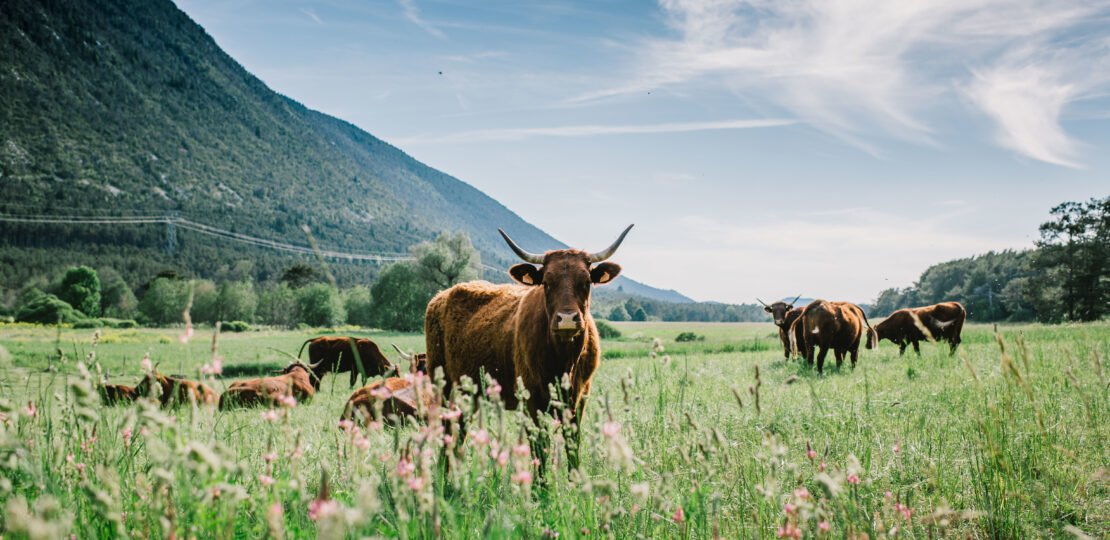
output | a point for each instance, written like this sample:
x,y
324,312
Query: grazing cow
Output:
x,y
117,394
295,381
832,325
540,333
784,315
418,362
339,354
176,391
939,322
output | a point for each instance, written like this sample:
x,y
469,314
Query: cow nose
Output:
x,y
567,320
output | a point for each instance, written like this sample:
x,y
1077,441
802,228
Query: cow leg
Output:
x,y
855,355
917,347
809,353
953,344
839,354
902,348
821,359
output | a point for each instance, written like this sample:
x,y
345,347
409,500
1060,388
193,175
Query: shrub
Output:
x,y
688,336
119,323
607,331
89,323
235,326
277,306
400,298
359,306
48,309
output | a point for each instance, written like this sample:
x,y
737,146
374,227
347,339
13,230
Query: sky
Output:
x,y
763,148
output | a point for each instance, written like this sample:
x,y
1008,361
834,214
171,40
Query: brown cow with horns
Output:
x,y
540,333
784,315
828,325
939,322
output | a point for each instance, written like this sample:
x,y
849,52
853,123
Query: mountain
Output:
x,y
128,107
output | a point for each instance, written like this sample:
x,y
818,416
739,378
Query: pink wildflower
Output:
x,y
821,467
897,448
811,454
452,414
146,364
362,443
319,509
416,483
801,493
521,450
481,437
824,526
271,415
522,477
789,508
346,425
126,434
679,516
493,390
610,429
270,457
502,458
266,479
405,468
288,401
31,410
853,479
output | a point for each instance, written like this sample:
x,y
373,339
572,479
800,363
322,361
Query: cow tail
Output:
x,y
794,338
872,335
306,342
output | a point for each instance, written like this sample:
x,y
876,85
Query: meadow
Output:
x,y
713,437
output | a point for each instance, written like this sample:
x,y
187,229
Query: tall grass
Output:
x,y
1005,440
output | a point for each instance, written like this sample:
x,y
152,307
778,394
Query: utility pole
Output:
x,y
171,234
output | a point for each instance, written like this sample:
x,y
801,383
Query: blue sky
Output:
x,y
763,148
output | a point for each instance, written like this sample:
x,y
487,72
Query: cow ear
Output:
x,y
605,272
526,274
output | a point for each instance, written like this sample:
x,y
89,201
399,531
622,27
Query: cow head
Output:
x,y
567,276
778,310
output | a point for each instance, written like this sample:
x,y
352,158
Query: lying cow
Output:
x,y
939,322
175,391
339,355
295,381
400,397
117,394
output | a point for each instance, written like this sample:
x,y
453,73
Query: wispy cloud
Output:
x,y
412,13
516,134
861,70
311,13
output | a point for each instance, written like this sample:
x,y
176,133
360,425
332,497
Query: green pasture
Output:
x,y
1004,440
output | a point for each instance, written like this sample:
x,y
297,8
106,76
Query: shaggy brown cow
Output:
x,y
832,325
400,397
418,362
117,394
328,354
784,315
175,391
939,322
295,380
540,333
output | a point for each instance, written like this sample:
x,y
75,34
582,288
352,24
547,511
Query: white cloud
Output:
x,y
412,13
311,13
516,134
860,69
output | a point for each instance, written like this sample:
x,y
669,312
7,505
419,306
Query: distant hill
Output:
x,y
128,107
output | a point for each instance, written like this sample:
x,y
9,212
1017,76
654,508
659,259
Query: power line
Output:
x,y
179,222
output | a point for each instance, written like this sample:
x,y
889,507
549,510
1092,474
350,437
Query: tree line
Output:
x,y
1066,277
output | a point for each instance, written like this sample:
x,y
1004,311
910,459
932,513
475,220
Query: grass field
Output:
x,y
986,444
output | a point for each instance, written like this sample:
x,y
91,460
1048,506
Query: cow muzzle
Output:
x,y
566,323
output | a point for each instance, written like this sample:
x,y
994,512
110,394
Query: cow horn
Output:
x,y
403,354
524,255
762,302
795,299
609,251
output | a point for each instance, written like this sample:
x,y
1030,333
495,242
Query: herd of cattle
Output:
x,y
539,335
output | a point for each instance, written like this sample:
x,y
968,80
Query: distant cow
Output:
x,y
832,325
336,354
784,315
418,362
176,391
295,380
940,322
117,394
539,333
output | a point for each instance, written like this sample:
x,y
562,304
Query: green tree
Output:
x,y
277,306
237,301
619,313
164,301
319,304
205,307
299,275
639,315
359,306
447,260
1074,262
81,289
48,309
400,297
116,297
